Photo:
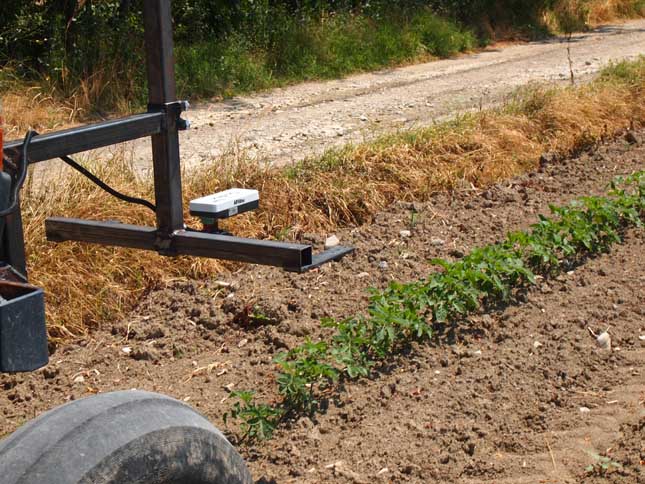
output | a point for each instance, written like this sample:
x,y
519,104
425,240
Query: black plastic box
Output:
x,y
23,335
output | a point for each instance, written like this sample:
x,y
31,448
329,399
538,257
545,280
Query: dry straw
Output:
x,y
603,11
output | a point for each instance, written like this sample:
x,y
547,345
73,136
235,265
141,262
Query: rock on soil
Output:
x,y
331,241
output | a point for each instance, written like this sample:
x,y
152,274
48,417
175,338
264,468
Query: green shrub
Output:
x,y
625,71
94,49
314,48
441,37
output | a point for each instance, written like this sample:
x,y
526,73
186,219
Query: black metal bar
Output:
x,y
286,255
92,136
333,254
60,229
12,242
161,92
278,254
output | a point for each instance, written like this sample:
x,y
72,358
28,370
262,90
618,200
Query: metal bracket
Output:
x,y
329,255
162,123
172,114
289,256
163,244
23,335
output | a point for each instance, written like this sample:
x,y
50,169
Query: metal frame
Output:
x,y
12,245
75,140
162,122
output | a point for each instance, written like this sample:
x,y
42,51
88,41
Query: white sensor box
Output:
x,y
225,204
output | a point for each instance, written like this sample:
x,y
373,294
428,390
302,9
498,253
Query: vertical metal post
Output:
x,y
161,91
12,242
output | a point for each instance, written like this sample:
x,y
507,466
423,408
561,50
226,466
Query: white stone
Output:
x,y
331,241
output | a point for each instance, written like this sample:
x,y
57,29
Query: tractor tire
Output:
x,y
123,437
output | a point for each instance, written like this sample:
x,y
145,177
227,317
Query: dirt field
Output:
x,y
522,395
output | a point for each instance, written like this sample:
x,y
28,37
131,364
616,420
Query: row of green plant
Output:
x,y
403,313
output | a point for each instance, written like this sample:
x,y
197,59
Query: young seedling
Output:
x,y
302,369
603,465
414,218
258,421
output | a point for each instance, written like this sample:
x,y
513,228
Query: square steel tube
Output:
x,y
265,252
160,67
279,254
61,229
89,137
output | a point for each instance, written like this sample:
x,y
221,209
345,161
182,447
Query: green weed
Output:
x,y
625,71
439,37
257,421
603,465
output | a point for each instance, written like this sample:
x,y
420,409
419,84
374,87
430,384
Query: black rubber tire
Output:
x,y
121,438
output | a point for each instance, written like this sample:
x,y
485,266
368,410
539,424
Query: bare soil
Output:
x,y
518,395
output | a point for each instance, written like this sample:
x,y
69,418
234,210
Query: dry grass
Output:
x,y
570,16
41,106
604,11
30,107
88,285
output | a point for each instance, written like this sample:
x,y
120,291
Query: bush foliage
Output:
x,y
95,47
40,33
92,50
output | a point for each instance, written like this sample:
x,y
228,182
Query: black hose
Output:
x,y
82,170
101,184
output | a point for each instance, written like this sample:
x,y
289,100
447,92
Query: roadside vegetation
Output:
x,y
88,285
311,373
67,60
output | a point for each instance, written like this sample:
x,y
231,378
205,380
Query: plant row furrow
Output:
x,y
403,313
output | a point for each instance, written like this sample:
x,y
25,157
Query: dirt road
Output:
x,y
288,124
